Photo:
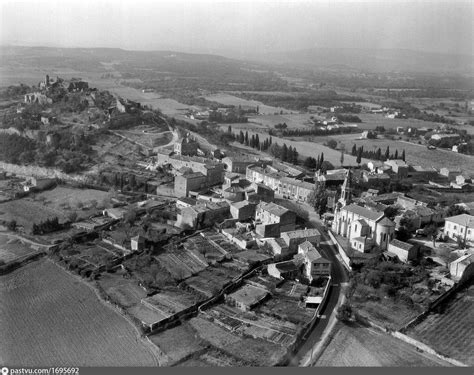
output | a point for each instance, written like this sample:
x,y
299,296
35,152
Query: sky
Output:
x,y
240,28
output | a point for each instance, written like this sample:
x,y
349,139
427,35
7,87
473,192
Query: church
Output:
x,y
363,227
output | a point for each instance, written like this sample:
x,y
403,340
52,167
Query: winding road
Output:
x,y
312,343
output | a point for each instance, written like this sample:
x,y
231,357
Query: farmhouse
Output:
x,y
460,226
371,177
185,202
463,267
212,170
137,243
469,207
244,240
314,264
265,176
425,173
295,189
279,247
443,136
247,297
450,173
296,237
333,178
234,193
273,219
243,210
403,250
285,270
259,192
203,214
190,182
399,167
239,164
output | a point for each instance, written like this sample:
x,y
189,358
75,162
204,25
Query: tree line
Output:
x,y
360,153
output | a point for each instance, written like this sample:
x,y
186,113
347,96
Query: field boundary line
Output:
x,y
114,308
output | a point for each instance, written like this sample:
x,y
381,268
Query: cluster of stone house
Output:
x,y
307,262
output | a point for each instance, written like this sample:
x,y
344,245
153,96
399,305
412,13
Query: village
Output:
x,y
185,234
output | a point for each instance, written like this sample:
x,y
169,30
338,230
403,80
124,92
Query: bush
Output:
x,y
344,313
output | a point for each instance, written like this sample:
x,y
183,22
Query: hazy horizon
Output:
x,y
239,28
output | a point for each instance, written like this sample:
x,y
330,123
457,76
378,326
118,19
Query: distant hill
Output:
x,y
373,60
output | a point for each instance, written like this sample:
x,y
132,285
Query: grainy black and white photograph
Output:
x,y
236,183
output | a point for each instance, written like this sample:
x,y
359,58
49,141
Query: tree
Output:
x,y
318,198
331,143
342,157
246,138
354,150
387,153
229,129
12,225
396,155
130,216
310,162
392,211
455,210
359,156
295,156
284,152
344,313
378,154
431,231
403,155
241,137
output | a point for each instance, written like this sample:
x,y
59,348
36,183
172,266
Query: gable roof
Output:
x,y
301,233
365,213
386,222
401,245
463,219
273,208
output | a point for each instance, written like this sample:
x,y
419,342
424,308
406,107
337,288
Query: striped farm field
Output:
x,y
451,332
49,318
354,346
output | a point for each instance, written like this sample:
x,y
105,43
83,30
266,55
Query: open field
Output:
x,y
12,249
419,154
26,212
450,332
66,198
306,148
227,99
360,346
167,106
372,120
49,317
147,138
254,351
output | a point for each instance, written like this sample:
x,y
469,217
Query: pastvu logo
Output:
x,y
5,371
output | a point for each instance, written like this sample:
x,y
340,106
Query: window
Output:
x,y
355,227
455,227
462,230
